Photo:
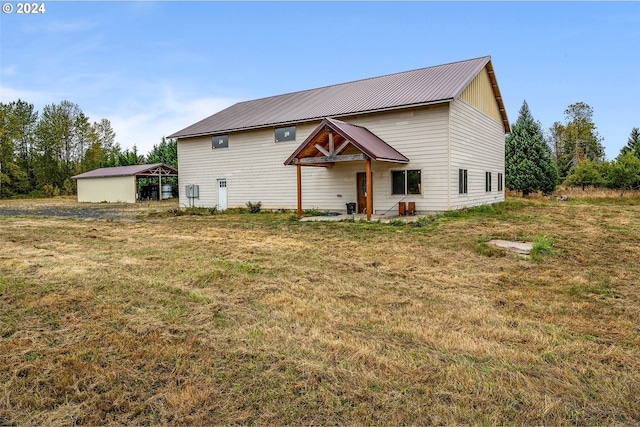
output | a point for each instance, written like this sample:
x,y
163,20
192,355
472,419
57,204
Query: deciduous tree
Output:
x,y
585,174
576,140
625,172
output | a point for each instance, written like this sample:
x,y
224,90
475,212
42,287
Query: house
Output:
x,y
432,137
120,184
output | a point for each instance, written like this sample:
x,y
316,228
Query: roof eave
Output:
x,y
312,119
498,95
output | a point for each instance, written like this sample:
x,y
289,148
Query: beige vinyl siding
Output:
x,y
254,170
480,94
253,166
477,144
110,189
421,135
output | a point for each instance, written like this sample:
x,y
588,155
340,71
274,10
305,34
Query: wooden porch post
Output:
x,y
299,190
369,190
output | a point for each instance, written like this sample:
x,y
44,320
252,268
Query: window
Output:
x,y
487,181
499,181
462,181
406,182
220,141
286,134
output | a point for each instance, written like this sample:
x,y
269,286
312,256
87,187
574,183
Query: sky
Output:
x,y
154,68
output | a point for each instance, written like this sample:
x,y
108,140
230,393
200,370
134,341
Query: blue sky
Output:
x,y
153,68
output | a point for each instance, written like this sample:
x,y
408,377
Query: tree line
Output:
x,y
571,153
41,151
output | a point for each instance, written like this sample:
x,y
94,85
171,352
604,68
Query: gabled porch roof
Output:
x,y
332,137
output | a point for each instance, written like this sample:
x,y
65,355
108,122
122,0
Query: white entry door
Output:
x,y
222,194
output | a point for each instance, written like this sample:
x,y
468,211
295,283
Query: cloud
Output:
x,y
144,125
140,116
9,70
60,26
38,98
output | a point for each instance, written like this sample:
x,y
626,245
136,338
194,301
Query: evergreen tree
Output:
x,y
633,143
166,152
528,160
130,157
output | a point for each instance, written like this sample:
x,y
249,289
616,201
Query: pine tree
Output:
x,y
633,143
528,159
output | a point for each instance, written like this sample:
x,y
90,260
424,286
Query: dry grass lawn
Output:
x,y
150,318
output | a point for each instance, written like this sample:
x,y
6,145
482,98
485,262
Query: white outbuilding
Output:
x,y
120,184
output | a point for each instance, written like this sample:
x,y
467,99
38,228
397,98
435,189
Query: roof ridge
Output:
x,y
403,89
363,79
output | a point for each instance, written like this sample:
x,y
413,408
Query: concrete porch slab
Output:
x,y
360,217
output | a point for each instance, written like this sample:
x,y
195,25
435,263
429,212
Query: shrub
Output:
x,y
312,212
423,221
50,190
254,207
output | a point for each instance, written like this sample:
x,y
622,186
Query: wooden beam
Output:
x,y
341,147
369,190
332,159
322,150
299,167
331,153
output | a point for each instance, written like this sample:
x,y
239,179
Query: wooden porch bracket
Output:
x,y
328,144
299,167
369,190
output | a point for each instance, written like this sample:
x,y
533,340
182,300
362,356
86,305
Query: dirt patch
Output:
x,y
65,207
60,212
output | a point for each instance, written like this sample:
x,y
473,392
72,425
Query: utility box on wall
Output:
x,y
192,191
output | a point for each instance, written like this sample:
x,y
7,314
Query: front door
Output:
x,y
361,180
222,194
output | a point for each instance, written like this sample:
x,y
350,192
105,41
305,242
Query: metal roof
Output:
x,y
424,86
137,170
358,136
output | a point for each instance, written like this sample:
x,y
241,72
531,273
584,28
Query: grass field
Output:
x,y
146,317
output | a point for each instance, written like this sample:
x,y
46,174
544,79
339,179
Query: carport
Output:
x,y
120,184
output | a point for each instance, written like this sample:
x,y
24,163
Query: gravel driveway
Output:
x,y
71,209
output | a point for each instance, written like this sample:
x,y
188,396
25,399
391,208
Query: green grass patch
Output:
x,y
542,246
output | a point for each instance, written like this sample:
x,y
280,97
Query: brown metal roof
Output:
x,y
359,137
424,86
137,170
